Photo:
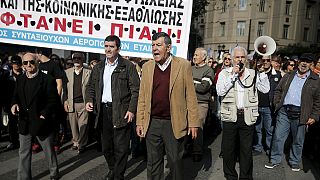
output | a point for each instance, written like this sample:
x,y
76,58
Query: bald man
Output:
x,y
34,101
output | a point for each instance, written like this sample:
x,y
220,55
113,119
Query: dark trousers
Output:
x,y
160,137
237,133
13,129
25,156
115,144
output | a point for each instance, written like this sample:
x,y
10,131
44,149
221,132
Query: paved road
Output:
x,y
91,165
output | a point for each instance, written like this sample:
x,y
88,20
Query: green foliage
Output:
x,y
199,8
297,49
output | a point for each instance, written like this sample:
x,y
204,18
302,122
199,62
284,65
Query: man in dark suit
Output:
x,y
112,93
34,99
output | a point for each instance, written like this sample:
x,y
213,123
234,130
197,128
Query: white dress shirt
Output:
x,y
164,66
108,70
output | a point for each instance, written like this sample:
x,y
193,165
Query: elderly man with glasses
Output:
x,y
265,118
34,101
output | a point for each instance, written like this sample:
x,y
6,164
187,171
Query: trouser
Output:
x,y
234,132
79,125
24,167
13,129
115,144
198,142
160,137
264,120
283,126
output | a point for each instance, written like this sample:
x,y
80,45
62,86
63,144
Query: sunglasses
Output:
x,y
209,61
306,60
32,62
227,59
266,60
292,65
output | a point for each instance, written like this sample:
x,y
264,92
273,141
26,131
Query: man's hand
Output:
x,y
15,109
310,122
140,131
89,106
236,69
42,117
66,107
129,116
193,131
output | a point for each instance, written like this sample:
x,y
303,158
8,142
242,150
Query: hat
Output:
x,y
16,60
307,56
294,57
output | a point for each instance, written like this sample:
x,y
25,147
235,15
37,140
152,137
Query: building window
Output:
x,y
308,12
260,31
224,6
285,34
288,7
262,5
202,20
241,26
222,28
305,34
318,36
242,4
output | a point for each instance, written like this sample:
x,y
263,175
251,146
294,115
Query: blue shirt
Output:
x,y
293,96
108,70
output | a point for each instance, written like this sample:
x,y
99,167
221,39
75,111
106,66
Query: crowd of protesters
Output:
x,y
274,106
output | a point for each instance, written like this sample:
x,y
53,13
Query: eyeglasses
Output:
x,y
306,60
266,60
32,62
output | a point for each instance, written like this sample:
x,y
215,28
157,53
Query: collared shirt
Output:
x,y
108,70
293,96
78,71
32,75
224,84
164,66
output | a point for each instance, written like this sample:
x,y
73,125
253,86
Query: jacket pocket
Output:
x,y
226,113
254,114
253,99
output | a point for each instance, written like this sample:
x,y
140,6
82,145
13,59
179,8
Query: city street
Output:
x,y
91,165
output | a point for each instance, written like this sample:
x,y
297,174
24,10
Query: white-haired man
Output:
x,y
238,87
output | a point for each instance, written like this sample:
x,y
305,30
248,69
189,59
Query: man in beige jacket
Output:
x,y
167,108
74,104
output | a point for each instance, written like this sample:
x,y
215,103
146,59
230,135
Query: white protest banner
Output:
x,y
82,25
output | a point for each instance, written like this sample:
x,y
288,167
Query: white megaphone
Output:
x,y
265,45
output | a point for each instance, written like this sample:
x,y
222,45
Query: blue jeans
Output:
x,y
264,120
283,127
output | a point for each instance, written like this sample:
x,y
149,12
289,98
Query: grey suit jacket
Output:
x,y
70,76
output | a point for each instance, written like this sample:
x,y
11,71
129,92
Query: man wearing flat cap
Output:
x,y
297,103
74,104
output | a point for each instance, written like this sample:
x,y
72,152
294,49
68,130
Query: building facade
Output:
x,y
231,22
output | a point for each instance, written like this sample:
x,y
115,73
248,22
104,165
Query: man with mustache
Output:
x,y
297,101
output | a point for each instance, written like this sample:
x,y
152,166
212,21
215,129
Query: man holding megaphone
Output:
x,y
238,87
